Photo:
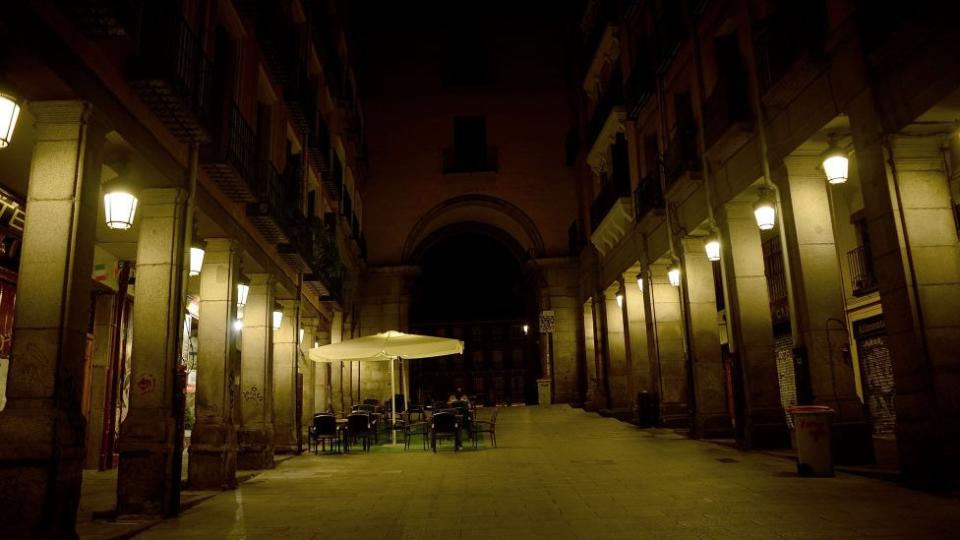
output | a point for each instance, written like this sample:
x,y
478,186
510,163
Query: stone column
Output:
x,y
636,321
42,428
103,336
751,329
323,399
150,450
590,356
823,374
308,368
617,352
915,256
711,418
285,381
255,437
621,362
630,387
672,364
213,444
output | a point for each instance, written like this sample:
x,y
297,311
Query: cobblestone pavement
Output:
x,y
562,473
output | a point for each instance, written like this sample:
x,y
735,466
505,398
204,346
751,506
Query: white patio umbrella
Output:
x,y
387,346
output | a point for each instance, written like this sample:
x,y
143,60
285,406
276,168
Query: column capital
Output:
x,y
61,119
260,279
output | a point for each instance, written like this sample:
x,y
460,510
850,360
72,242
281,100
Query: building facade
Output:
x,y
235,131
733,270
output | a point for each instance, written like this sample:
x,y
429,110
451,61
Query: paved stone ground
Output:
x,y
562,473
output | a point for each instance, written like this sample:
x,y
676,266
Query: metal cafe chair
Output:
x,y
444,425
486,426
358,428
324,429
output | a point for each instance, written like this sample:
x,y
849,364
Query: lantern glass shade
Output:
x,y
277,316
120,207
836,165
640,282
764,211
197,250
712,246
620,300
300,336
238,325
673,274
243,291
526,329
9,113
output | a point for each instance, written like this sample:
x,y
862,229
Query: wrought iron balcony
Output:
x,y
333,182
103,18
325,276
794,28
612,97
617,186
682,160
318,148
600,15
174,77
230,159
457,161
862,277
639,89
648,199
300,96
727,117
671,30
275,212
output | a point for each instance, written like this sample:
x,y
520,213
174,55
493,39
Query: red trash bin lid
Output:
x,y
809,409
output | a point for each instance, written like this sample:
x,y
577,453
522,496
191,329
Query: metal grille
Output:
x,y
783,353
878,387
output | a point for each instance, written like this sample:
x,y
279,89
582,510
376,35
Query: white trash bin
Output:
x,y
812,424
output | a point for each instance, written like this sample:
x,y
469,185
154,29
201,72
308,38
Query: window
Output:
x,y
469,152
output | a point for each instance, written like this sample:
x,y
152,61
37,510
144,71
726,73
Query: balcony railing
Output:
x,y
575,241
728,105
648,196
276,212
174,77
484,159
301,97
602,14
682,154
230,159
783,37
617,186
611,98
324,279
639,88
318,148
103,18
671,31
862,277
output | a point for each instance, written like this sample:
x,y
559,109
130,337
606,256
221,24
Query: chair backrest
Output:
x,y
366,407
445,422
459,403
358,422
325,424
370,401
493,417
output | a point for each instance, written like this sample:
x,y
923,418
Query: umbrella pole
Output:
x,y
393,400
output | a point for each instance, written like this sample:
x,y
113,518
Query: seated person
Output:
x,y
459,395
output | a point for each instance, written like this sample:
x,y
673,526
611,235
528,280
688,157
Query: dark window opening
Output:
x,y
469,152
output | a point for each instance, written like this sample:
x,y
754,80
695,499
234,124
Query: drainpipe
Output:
x,y
799,351
674,258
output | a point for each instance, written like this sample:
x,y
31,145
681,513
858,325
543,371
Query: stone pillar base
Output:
x,y
31,483
713,426
213,457
284,439
145,478
255,450
674,415
766,428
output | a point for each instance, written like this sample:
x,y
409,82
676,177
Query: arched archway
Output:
x,y
474,285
